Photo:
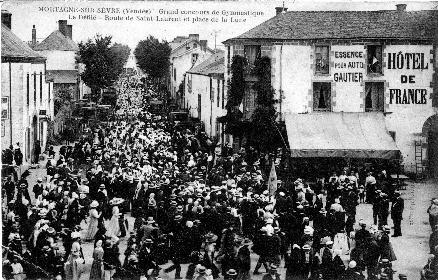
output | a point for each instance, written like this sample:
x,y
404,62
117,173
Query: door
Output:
x,y
35,136
432,153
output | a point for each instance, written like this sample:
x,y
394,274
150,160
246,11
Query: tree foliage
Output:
x,y
264,132
120,54
234,124
237,83
103,62
153,57
62,99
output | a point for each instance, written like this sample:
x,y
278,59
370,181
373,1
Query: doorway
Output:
x,y
35,136
430,130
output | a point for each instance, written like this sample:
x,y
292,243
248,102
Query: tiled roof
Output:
x,y
14,48
214,64
63,76
57,41
388,24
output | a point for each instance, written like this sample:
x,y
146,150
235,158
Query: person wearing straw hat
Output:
x,y
209,250
76,257
94,220
96,272
113,225
293,263
231,274
272,273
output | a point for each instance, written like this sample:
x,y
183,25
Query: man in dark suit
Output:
x,y
38,188
397,213
9,186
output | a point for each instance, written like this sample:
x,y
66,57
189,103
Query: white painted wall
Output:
x,y
408,119
182,62
59,60
21,113
210,110
294,74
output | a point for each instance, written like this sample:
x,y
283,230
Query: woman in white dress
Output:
x,y
113,225
76,259
94,220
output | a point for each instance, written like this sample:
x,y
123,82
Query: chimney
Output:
x,y
194,37
279,10
7,18
203,45
62,26
69,31
33,36
401,7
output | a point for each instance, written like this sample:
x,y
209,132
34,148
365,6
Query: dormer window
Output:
x,y
194,58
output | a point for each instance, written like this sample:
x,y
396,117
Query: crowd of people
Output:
x,y
191,206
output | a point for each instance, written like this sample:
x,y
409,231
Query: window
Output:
x,y
27,90
374,59
5,108
174,74
322,97
49,95
34,88
218,90
374,97
41,87
322,59
194,58
251,54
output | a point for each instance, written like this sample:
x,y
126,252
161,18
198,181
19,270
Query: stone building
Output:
x,y
26,92
204,94
187,52
351,84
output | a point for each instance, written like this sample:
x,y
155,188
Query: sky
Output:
x,y
25,14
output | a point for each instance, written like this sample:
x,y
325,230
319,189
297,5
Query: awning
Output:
x,y
351,135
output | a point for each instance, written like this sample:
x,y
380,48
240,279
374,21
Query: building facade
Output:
x,y
187,52
204,94
354,63
60,51
27,95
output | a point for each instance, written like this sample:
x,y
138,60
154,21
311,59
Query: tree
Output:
x,y
237,82
234,124
153,57
120,54
264,130
103,62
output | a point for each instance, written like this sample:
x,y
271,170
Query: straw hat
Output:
x,y
94,204
116,201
